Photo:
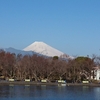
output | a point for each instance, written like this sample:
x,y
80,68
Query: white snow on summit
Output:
x,y
44,49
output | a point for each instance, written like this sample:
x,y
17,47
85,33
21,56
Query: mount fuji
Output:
x,y
44,49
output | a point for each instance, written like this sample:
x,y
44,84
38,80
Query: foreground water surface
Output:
x,y
43,92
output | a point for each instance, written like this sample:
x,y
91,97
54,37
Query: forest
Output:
x,y
36,67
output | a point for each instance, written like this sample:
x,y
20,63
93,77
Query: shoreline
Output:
x,y
48,83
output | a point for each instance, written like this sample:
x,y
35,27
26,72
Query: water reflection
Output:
x,y
97,93
43,92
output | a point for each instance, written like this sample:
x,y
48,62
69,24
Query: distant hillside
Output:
x,y
12,50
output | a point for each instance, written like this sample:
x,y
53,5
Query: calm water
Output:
x,y
42,92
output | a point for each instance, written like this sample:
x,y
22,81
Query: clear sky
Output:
x,y
71,26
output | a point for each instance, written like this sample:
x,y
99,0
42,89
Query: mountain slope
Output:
x,y
12,50
44,49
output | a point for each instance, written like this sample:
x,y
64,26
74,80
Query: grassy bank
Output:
x,y
49,83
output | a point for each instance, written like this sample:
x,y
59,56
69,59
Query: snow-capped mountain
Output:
x,y
44,49
40,49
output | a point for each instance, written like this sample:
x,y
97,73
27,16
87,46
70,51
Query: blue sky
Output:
x,y
71,26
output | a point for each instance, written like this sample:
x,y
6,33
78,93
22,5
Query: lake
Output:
x,y
43,92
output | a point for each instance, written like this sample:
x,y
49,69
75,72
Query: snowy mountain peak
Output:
x,y
44,49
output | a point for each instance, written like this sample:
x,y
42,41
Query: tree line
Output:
x,y
36,67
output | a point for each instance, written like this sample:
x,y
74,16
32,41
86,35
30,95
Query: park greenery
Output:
x,y
36,67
